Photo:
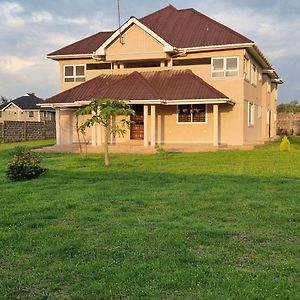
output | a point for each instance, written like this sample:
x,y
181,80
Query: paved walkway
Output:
x,y
138,148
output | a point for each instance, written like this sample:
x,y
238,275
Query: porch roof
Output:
x,y
161,87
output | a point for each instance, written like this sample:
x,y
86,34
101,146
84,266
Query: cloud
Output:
x,y
15,65
41,16
9,13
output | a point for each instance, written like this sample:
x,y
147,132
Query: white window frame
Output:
x,y
74,74
254,72
268,117
225,67
191,115
247,74
250,117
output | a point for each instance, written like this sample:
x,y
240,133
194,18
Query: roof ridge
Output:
x,y
216,22
160,10
143,80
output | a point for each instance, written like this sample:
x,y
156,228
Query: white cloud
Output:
x,y
9,14
14,64
40,16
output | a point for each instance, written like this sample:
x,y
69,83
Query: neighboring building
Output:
x,y
25,108
190,79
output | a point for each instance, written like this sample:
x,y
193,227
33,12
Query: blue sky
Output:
x,y
30,29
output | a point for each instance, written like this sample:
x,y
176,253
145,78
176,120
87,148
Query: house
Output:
x,y
25,109
190,79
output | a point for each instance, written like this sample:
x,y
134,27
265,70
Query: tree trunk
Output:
x,y
106,156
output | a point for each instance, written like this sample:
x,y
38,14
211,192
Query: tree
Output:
x,y
292,106
3,99
103,111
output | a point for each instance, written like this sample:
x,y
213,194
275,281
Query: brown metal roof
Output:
x,y
85,46
180,28
189,28
160,85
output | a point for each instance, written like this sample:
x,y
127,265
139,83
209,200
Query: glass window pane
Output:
x,y
218,74
79,70
69,79
218,64
184,113
69,71
199,113
231,73
80,79
232,63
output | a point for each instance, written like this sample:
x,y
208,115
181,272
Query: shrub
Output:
x,y
285,145
24,165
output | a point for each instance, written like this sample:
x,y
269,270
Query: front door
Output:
x,y
137,130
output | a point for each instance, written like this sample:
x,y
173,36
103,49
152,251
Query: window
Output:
x,y
31,114
45,114
254,74
250,114
0,114
246,68
259,112
268,85
225,67
268,117
74,73
195,113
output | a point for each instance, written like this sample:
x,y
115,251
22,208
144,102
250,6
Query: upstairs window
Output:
x,y
250,114
246,68
195,113
31,114
254,74
74,73
225,67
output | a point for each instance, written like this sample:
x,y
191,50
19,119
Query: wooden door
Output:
x,y
137,130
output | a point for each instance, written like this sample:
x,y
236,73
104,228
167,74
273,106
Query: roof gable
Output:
x,y
173,28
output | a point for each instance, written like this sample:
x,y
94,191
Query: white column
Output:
x,y
57,121
146,136
216,124
153,125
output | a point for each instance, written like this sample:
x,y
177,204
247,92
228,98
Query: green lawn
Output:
x,y
221,225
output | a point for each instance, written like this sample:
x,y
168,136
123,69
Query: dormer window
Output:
x,y
225,67
74,73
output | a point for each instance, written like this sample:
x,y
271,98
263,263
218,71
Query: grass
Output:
x,y
219,225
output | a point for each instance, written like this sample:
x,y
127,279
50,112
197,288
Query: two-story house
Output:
x,y
190,79
25,108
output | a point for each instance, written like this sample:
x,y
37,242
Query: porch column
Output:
x,y
216,124
153,125
146,135
57,126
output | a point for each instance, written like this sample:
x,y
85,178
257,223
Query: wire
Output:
x,y
119,18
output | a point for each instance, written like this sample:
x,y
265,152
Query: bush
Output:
x,y
24,165
285,145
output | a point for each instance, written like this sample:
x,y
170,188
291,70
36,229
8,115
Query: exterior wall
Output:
x,y
16,131
13,113
137,44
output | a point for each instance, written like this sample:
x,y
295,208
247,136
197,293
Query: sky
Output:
x,y
29,29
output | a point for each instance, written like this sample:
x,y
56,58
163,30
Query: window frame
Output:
x,y
251,109
177,114
31,114
225,58
74,74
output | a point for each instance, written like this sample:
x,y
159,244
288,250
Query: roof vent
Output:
x,y
29,94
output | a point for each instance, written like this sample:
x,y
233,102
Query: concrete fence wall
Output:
x,y
288,123
14,131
